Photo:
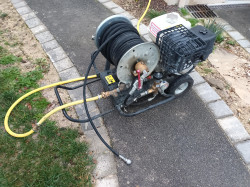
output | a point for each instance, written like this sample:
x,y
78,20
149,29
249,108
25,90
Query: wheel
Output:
x,y
180,86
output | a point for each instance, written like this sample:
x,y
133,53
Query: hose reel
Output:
x,y
126,49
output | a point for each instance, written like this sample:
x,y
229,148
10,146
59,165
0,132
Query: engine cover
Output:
x,y
181,49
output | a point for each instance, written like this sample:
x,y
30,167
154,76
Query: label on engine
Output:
x,y
110,79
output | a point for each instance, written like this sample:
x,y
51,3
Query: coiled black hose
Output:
x,y
114,49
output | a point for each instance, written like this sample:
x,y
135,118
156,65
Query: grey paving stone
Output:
x,y
105,165
244,150
244,43
63,64
97,122
234,129
56,54
110,5
206,93
220,109
20,4
134,22
44,37
221,22
228,28
94,141
247,49
103,1
16,1
109,181
143,29
126,14
28,16
70,73
197,78
118,10
77,94
24,10
34,22
236,35
47,46
38,29
80,110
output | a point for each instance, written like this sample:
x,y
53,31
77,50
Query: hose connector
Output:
x,y
127,161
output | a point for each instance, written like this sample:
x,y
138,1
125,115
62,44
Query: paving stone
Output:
x,y
126,14
103,1
110,5
105,165
97,122
28,16
109,181
20,4
134,22
16,1
143,29
94,141
56,54
38,29
63,64
34,22
244,150
70,73
147,38
220,109
196,77
234,129
247,49
47,46
118,10
24,10
44,37
244,43
228,28
221,21
236,35
206,93
80,110
77,94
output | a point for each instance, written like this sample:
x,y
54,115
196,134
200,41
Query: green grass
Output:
x,y
193,21
3,15
215,28
207,70
54,157
184,11
7,58
154,13
231,42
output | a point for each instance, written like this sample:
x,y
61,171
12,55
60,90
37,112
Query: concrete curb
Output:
x,y
239,38
105,173
232,127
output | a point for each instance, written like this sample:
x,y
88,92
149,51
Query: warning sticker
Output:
x,y
110,79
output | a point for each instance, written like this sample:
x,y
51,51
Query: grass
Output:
x,y
184,11
231,42
54,157
193,21
3,15
154,13
207,70
215,28
7,58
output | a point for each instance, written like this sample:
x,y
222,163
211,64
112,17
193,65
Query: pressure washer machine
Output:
x,y
136,72
143,71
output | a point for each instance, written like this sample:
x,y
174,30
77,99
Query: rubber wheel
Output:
x,y
180,86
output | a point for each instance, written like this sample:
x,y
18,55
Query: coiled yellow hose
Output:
x,y
138,24
6,125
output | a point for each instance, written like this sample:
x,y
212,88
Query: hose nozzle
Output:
x,y
127,161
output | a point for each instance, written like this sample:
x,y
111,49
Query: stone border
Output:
x,y
232,127
105,173
239,38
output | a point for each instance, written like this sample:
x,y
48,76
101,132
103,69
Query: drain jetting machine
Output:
x,y
143,71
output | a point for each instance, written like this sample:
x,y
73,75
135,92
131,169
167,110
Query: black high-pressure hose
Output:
x,y
115,42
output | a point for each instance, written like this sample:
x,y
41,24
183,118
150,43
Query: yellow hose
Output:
x,y
6,125
138,24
